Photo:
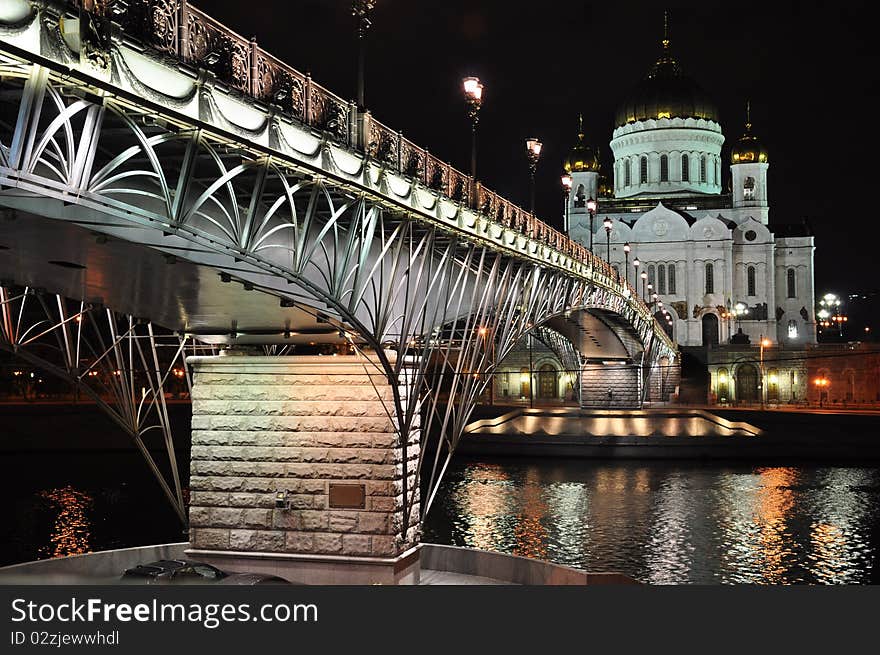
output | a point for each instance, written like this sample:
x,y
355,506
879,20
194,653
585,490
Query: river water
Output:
x,y
662,523
670,523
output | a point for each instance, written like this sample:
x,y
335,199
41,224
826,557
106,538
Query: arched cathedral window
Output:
x,y
791,283
643,171
664,168
717,172
670,273
710,278
703,169
749,189
685,168
750,281
652,276
627,173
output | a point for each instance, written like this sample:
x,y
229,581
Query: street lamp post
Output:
x,y
636,264
531,376
608,225
361,10
821,385
626,250
739,309
473,95
765,343
592,206
533,152
566,185
644,282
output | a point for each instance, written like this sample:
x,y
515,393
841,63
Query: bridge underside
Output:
x,y
140,272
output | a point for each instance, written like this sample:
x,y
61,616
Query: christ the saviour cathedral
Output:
x,y
724,279
705,251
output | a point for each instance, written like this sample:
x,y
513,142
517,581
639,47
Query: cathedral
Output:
x,y
710,255
721,280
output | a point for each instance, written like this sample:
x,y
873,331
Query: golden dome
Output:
x,y
749,150
665,93
583,158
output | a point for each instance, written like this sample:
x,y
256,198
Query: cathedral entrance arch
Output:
x,y
710,330
547,382
747,383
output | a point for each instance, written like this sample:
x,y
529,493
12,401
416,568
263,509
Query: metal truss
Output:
x,y
123,365
433,294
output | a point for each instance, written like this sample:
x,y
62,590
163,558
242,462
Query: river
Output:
x,y
660,522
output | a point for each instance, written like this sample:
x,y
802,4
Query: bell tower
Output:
x,y
749,162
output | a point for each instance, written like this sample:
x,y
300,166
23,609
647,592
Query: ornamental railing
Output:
x,y
177,28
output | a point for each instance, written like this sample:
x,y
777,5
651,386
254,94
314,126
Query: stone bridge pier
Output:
x,y
625,385
298,471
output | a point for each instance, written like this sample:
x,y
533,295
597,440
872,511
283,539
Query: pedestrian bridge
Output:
x,y
156,164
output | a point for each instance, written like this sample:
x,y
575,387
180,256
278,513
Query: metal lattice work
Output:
x,y
122,365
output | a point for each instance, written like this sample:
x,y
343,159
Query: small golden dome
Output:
x,y
583,158
749,150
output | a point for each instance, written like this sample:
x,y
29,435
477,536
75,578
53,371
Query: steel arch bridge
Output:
x,y
165,167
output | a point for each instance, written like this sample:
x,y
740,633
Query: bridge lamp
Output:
x,y
644,277
765,343
592,206
566,186
533,153
473,95
626,250
608,225
361,10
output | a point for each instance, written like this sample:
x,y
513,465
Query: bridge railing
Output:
x,y
178,28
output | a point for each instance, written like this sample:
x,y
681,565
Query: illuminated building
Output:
x,y
705,250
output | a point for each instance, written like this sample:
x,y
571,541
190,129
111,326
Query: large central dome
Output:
x,y
665,93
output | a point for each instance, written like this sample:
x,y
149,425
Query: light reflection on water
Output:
x,y
77,502
668,523
71,531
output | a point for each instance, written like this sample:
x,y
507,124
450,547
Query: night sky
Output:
x,y
810,70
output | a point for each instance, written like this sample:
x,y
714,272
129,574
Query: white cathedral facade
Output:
x,y
710,255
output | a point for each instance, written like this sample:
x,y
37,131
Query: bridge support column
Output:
x,y
297,470
610,386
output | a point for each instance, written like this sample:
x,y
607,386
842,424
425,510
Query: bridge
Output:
x,y
170,189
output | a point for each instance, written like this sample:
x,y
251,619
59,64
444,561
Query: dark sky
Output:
x,y
810,70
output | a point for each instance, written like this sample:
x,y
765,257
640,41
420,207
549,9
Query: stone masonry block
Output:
x,y
355,544
328,543
209,538
300,542
314,520
343,521
256,540
374,523
382,546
